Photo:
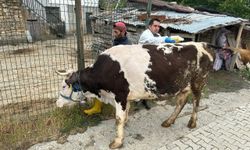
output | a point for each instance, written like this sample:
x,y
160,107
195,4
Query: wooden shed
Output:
x,y
191,24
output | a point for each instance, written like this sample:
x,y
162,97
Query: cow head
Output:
x,y
69,92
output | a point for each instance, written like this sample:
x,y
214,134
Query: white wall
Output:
x,y
66,11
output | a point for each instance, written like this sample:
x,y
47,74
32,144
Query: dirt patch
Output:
x,y
225,81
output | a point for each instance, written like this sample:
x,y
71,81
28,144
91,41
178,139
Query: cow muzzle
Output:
x,y
69,95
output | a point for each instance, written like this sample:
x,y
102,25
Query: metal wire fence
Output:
x,y
37,38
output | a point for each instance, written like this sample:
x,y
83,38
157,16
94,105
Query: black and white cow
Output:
x,y
128,72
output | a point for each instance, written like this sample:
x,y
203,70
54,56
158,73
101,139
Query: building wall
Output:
x,y
206,36
12,24
67,11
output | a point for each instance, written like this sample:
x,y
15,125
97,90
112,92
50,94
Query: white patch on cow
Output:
x,y
65,91
172,45
89,95
205,75
150,85
107,97
119,112
186,73
120,119
63,102
169,49
200,51
166,50
134,68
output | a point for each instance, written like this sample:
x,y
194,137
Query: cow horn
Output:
x,y
63,72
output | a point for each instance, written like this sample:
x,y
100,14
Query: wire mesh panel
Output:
x,y
37,42
37,37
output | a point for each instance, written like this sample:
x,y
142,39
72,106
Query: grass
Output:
x,y
245,73
59,123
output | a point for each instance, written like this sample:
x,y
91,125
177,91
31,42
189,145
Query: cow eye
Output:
x,y
64,87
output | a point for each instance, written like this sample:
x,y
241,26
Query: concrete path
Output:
x,y
230,132
224,124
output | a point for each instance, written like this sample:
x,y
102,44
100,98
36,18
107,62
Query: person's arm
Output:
x,y
148,38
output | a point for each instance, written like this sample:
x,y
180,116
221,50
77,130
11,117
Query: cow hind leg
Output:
x,y
196,89
121,117
181,100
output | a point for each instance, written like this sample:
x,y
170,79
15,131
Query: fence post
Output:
x,y
79,33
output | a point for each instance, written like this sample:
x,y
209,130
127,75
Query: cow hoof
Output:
x,y
191,124
115,145
165,124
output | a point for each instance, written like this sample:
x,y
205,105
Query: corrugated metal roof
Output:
x,y
198,22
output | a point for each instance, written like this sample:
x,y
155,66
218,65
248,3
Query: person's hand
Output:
x,y
169,40
177,38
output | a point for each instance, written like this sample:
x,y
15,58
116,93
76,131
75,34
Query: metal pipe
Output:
x,y
149,7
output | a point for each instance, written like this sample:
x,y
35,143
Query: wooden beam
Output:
x,y
238,39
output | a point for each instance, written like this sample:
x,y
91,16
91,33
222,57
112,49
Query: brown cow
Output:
x,y
244,55
129,72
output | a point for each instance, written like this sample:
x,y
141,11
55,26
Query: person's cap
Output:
x,y
120,26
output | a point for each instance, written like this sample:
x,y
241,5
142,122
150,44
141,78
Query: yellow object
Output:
x,y
97,108
177,38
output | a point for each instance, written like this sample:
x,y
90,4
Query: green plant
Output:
x,y
108,5
240,8
245,73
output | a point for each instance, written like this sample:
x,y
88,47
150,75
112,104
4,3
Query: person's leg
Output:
x,y
142,103
217,63
97,108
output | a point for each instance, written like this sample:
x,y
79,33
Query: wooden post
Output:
x,y
79,34
215,31
238,39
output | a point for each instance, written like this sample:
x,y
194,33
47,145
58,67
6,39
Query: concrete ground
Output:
x,y
223,123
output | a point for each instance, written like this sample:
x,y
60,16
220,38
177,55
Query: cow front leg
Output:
x,y
127,111
181,100
120,122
